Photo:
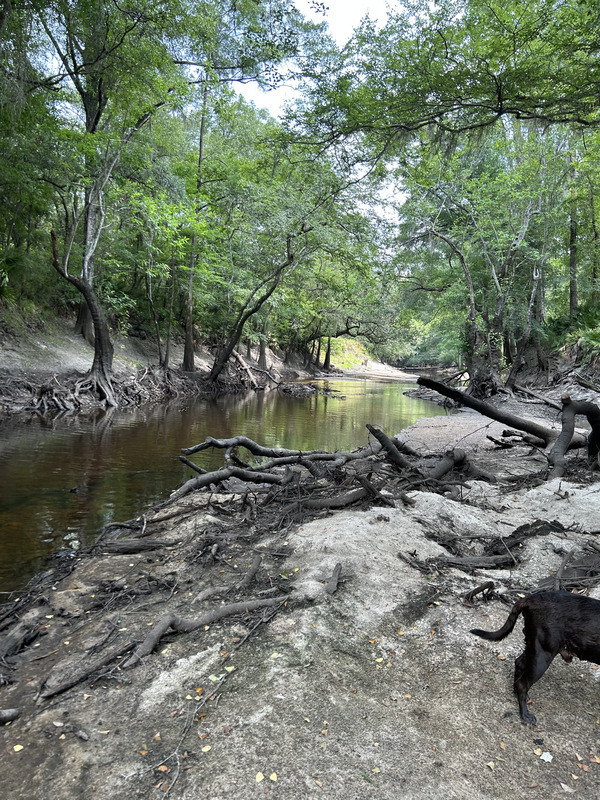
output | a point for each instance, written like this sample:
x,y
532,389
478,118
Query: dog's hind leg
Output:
x,y
529,668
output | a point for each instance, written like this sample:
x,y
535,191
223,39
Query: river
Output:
x,y
62,479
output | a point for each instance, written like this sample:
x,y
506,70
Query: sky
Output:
x,y
342,17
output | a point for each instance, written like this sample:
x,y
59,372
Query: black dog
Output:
x,y
555,622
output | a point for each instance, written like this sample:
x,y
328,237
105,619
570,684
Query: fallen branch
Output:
x,y
547,435
213,591
341,501
390,448
244,366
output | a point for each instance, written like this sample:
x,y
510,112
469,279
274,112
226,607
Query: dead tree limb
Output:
x,y
182,625
451,459
246,580
366,484
571,408
547,435
255,448
246,368
342,501
390,448
132,546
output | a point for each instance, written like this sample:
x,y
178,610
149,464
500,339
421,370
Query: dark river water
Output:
x,y
61,480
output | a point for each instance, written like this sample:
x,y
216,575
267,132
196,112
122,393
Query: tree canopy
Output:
x,y
433,192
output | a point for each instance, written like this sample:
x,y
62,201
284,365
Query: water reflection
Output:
x,y
63,479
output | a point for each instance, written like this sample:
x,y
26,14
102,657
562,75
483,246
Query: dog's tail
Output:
x,y
496,636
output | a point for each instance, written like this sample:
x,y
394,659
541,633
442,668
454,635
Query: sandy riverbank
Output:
x,y
377,690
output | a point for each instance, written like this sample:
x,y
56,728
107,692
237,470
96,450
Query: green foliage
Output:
x,y
418,185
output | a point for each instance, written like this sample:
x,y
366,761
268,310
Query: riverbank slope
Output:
x,y
51,354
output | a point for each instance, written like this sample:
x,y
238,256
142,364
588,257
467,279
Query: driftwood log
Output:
x,y
546,435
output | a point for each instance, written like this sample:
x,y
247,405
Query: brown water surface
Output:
x,y
62,479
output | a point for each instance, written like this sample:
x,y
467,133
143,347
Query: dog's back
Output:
x,y
554,622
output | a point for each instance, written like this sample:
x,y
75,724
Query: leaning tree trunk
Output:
x,y
252,306
99,377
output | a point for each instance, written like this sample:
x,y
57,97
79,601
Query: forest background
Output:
x,y
431,190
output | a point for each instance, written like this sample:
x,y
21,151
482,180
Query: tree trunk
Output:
x,y
100,374
573,298
524,342
165,363
189,364
327,362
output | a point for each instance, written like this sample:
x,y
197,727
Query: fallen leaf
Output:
x,y
319,783
163,768
490,764
156,737
229,669
17,748
546,757
595,759
578,757
566,788
584,767
259,777
206,748
143,752
537,751
376,769
273,777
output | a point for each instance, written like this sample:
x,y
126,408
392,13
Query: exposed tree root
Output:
x,y
182,625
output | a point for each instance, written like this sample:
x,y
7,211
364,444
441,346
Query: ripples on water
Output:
x,y
61,480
